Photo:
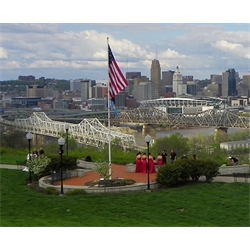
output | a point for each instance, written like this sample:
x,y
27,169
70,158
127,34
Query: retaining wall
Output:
x,y
128,188
81,163
229,170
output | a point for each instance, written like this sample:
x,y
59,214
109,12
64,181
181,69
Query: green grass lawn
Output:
x,y
198,205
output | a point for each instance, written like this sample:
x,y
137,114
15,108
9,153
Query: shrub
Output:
x,y
51,191
193,169
169,174
183,170
76,192
38,165
210,169
68,162
102,168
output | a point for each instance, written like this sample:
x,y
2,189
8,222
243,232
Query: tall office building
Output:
x,y
120,99
141,79
86,88
229,80
144,91
75,85
167,77
246,82
166,82
156,76
191,88
132,75
178,87
216,78
36,91
186,79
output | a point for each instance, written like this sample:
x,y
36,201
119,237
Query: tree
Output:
x,y
14,139
176,141
102,168
38,165
238,136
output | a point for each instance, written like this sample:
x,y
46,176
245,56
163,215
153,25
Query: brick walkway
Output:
x,y
118,171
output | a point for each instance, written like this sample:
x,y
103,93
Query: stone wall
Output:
x,y
229,170
81,163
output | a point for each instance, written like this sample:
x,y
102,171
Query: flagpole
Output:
x,y
109,131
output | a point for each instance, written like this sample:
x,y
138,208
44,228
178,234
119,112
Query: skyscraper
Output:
x,y
178,87
86,88
167,77
229,81
144,91
156,75
132,75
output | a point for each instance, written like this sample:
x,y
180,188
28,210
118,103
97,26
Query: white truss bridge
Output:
x,y
88,131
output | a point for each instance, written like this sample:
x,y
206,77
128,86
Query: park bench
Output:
x,y
244,175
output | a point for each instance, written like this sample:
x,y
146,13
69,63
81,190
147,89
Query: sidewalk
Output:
x,y
9,166
120,171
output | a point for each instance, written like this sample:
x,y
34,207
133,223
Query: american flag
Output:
x,y
117,80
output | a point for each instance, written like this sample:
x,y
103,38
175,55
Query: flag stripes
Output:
x,y
117,80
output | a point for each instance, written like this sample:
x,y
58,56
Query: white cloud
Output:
x,y
192,47
3,53
171,54
235,49
10,65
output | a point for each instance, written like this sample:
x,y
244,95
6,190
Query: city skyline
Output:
x,y
79,50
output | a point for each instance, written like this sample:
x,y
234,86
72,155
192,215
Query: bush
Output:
x,y
169,174
38,165
185,170
210,169
193,168
76,192
68,162
51,191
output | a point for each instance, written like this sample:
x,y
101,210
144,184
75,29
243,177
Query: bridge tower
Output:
x,y
220,133
147,129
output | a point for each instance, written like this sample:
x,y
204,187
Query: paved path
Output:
x,y
8,166
140,177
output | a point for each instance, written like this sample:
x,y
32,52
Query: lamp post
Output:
x,y
61,142
67,132
147,140
29,138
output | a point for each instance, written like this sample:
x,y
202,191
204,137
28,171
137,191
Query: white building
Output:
x,y
178,87
75,85
235,144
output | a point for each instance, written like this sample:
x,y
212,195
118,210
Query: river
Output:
x,y
140,136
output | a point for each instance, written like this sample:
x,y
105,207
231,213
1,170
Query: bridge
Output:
x,y
220,118
88,131
92,132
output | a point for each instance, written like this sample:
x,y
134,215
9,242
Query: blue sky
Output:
x,y
73,43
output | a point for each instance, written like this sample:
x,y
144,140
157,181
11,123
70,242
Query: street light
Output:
x,y
61,142
29,138
147,140
67,132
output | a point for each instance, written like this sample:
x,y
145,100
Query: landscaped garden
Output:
x,y
195,204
